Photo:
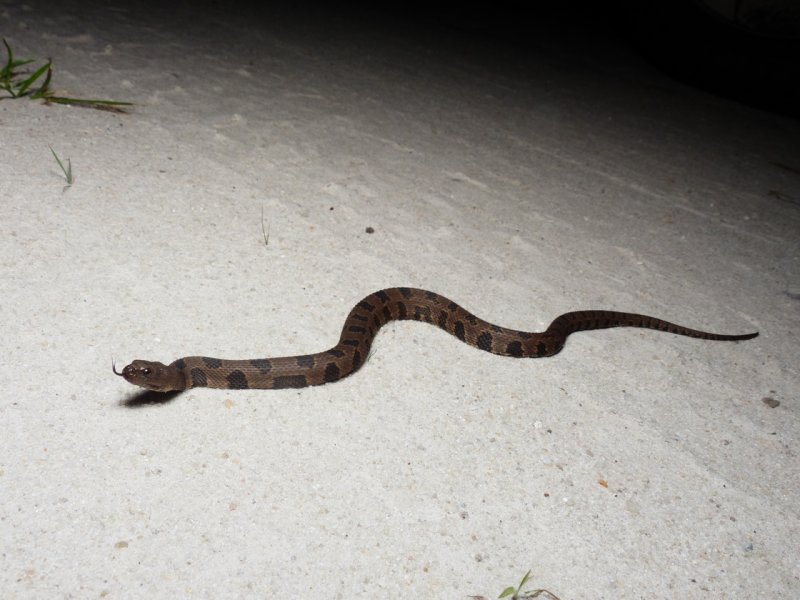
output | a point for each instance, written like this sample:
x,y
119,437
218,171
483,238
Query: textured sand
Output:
x,y
635,464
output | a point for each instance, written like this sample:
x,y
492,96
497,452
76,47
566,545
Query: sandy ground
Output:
x,y
635,464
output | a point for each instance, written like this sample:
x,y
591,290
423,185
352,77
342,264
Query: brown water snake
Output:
x,y
360,328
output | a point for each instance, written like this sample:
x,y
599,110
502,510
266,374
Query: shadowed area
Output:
x,y
149,398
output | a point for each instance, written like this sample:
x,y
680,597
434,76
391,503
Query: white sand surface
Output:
x,y
522,183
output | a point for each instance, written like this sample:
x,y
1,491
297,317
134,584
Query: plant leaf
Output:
x,y
109,105
67,171
24,85
524,580
9,66
507,592
10,83
7,72
44,89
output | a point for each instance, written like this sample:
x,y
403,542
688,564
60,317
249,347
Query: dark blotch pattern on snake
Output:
x,y
360,328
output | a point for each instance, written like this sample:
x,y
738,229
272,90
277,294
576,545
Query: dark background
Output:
x,y
749,53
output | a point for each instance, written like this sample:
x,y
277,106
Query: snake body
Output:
x,y
360,328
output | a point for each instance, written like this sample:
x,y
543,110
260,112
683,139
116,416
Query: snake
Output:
x,y
359,331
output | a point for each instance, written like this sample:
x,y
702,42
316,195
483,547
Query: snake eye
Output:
x,y
146,371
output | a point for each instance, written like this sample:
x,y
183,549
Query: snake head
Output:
x,y
154,376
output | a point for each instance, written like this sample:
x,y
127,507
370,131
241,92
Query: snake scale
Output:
x,y
360,328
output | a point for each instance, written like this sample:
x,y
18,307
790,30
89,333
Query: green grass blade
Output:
x,y
9,66
8,73
44,89
109,105
524,580
67,171
64,100
23,86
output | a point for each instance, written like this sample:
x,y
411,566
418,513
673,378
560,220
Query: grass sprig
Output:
x,y
67,171
18,83
517,593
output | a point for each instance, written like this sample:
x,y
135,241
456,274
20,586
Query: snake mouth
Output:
x,y
131,374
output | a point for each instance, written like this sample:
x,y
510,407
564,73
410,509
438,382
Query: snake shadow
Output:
x,y
149,398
